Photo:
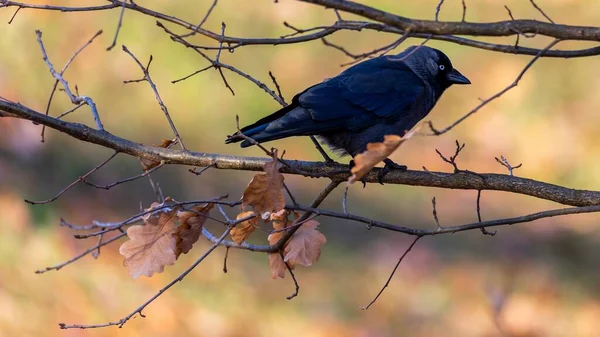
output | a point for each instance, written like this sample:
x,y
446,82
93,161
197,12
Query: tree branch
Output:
x,y
462,180
500,28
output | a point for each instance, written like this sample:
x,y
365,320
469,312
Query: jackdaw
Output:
x,y
387,95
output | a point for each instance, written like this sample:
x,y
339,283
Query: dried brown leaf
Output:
x,y
279,219
304,247
242,231
377,152
265,191
190,227
276,263
151,246
148,164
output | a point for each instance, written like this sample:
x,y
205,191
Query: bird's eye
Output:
x,y
442,67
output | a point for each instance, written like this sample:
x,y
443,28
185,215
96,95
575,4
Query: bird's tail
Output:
x,y
248,133
254,130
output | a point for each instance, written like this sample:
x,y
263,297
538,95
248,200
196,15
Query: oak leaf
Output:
x,y
190,227
377,152
276,264
279,219
151,246
304,247
242,230
148,164
265,191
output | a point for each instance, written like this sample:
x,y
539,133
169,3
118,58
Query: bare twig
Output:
x,y
277,87
81,178
504,162
438,8
435,215
163,107
498,94
345,199
226,255
139,309
483,229
84,253
296,285
14,15
122,181
289,192
392,274
201,170
452,159
75,99
119,24
513,18
210,9
541,11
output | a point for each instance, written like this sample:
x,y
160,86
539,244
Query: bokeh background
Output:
x,y
536,279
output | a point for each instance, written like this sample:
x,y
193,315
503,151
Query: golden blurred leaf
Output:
x,y
242,231
151,246
190,227
375,153
148,164
304,247
265,191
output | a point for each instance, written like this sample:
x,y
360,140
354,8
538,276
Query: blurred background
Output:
x,y
536,279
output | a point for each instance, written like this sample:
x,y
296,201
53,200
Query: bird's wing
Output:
x,y
363,97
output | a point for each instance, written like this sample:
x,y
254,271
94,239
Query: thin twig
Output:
x,y
202,170
139,309
504,162
483,229
14,15
498,94
119,24
277,87
61,73
84,253
392,274
80,179
438,8
541,11
296,285
435,215
163,107
345,199
225,258
287,189
195,30
119,182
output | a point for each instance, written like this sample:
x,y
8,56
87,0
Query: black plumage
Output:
x,y
382,96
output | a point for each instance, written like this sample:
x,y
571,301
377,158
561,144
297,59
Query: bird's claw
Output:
x,y
389,166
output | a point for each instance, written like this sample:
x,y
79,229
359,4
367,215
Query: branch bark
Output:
x,y
500,28
335,171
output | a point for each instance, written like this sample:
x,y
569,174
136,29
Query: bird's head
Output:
x,y
433,65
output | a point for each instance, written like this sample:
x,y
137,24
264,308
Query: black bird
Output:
x,y
382,96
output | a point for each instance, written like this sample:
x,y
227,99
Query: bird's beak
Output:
x,y
455,77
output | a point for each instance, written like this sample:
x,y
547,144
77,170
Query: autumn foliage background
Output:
x,y
538,279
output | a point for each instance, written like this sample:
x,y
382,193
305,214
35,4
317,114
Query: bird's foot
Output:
x,y
389,166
